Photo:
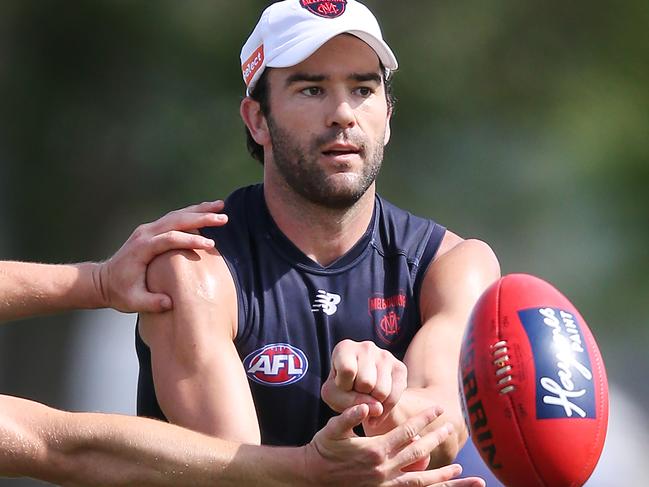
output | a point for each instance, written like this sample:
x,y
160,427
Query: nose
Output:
x,y
341,114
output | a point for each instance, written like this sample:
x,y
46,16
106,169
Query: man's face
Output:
x,y
328,122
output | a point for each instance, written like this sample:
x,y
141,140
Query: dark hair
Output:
x,y
261,94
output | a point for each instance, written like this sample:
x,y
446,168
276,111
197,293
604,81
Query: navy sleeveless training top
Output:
x,y
292,311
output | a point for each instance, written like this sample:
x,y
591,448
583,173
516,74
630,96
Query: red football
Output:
x,y
533,385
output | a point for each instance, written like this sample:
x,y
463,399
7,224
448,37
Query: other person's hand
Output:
x,y
336,456
121,280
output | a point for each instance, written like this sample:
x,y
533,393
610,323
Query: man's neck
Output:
x,y
322,234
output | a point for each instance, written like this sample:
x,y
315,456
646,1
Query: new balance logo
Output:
x,y
326,302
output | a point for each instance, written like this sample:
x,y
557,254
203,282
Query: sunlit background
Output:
x,y
525,124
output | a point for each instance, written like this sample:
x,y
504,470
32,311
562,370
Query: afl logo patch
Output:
x,y
277,364
323,8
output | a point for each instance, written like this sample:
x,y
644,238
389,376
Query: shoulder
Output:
x,y
461,270
204,303
465,258
186,271
472,250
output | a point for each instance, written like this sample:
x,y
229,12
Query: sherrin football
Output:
x,y
533,385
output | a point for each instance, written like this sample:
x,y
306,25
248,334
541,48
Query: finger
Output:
x,y
422,447
342,426
383,384
344,368
366,373
404,434
439,477
339,400
216,205
466,482
205,206
184,220
175,240
398,382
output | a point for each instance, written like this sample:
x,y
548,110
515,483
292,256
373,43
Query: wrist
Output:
x,y
271,466
309,465
94,281
297,466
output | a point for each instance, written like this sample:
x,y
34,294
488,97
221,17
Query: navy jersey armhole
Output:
x,y
427,256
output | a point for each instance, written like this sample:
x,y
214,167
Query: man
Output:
x,y
318,294
103,449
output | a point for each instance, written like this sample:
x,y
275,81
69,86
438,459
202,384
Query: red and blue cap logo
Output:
x,y
325,8
277,364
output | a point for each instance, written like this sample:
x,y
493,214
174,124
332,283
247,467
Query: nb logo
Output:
x,y
326,302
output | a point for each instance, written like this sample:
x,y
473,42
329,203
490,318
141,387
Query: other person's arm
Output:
x,y
76,449
28,289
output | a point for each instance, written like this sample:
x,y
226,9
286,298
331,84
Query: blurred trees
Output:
x,y
521,123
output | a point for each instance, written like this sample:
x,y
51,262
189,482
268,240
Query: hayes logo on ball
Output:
x,y
277,364
564,379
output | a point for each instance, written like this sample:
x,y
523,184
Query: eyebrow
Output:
x,y
318,78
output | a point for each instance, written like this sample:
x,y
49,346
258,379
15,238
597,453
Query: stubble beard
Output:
x,y
303,174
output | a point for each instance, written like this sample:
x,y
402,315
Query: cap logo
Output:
x,y
324,8
252,64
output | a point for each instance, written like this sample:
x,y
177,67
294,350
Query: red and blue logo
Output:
x,y
387,313
325,8
277,364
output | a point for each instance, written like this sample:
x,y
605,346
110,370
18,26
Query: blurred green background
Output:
x,y
525,124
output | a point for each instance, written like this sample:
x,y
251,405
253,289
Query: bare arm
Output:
x,y
28,289
452,285
199,379
364,373
76,449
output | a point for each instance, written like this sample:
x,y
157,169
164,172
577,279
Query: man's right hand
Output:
x,y
336,456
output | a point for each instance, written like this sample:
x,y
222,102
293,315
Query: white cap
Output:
x,y
290,31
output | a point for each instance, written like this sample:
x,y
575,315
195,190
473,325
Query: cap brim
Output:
x,y
302,50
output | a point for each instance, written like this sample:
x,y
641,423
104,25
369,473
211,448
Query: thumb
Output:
x,y
152,302
342,426
339,400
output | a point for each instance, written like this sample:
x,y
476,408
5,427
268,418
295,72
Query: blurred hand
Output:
x,y
121,280
337,457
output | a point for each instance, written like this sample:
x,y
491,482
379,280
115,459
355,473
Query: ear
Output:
x,y
388,131
250,111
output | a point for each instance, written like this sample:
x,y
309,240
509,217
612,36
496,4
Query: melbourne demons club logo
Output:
x,y
277,364
326,9
387,313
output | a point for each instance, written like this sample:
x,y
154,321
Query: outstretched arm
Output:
x,y
77,449
395,391
452,285
28,289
